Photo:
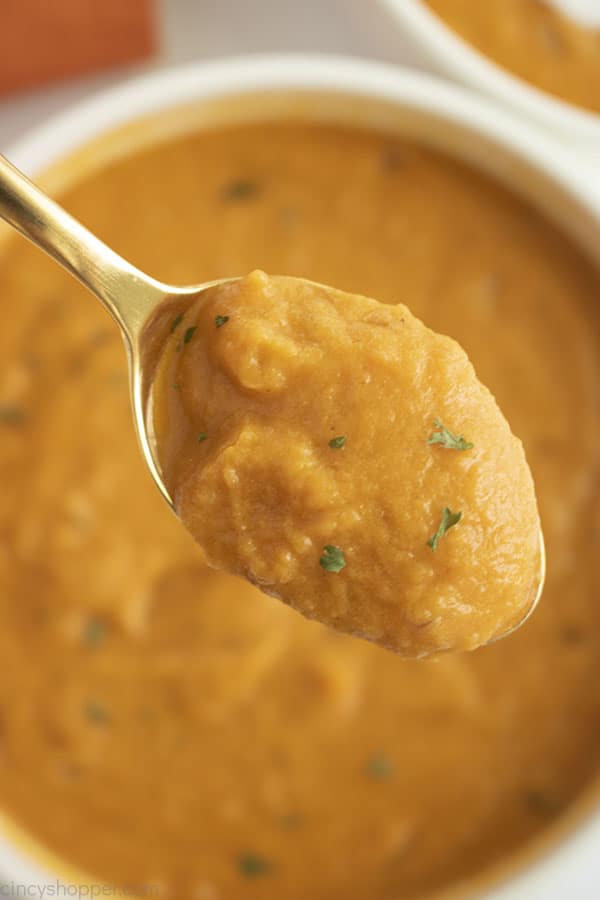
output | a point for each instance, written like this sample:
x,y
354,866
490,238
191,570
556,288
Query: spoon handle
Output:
x,y
127,293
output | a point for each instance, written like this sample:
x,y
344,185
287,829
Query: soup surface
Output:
x,y
534,41
162,723
256,380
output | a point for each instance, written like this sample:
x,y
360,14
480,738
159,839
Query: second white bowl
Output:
x,y
449,54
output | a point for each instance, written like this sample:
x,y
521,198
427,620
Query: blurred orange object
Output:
x,y
47,40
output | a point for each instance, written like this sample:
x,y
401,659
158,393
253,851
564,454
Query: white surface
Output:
x,y
423,108
587,12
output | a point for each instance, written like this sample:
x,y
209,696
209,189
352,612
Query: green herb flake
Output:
x,y
337,443
95,712
12,415
94,632
240,189
189,334
252,866
221,320
176,386
202,436
333,559
379,767
449,519
176,322
447,438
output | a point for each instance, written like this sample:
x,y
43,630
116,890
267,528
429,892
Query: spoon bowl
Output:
x,y
537,597
144,343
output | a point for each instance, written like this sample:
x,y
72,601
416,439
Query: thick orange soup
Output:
x,y
165,724
256,377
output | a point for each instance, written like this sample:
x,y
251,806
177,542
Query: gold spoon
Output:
x,y
143,308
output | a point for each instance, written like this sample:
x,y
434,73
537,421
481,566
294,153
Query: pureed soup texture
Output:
x,y
534,40
162,723
256,381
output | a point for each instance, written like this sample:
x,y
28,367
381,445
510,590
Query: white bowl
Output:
x,y
451,55
356,93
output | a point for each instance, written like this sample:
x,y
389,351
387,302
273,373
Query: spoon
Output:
x,y
143,308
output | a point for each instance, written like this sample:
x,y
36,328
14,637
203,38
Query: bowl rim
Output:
x,y
460,60
159,90
69,131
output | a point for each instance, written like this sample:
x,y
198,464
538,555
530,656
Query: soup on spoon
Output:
x,y
313,442
345,458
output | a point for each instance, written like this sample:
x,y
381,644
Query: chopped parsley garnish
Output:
x,y
449,519
202,436
379,767
11,415
94,632
333,559
252,865
96,712
337,443
176,321
447,438
241,189
176,386
221,320
189,334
